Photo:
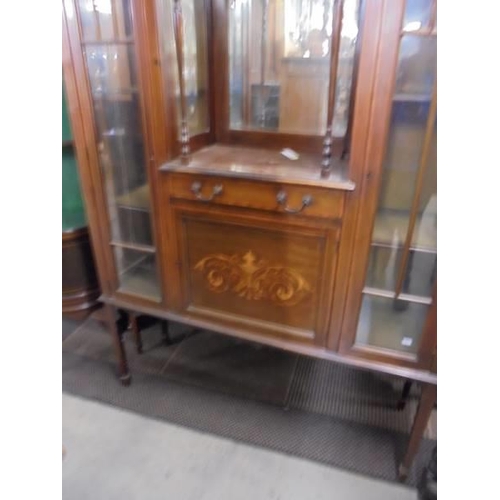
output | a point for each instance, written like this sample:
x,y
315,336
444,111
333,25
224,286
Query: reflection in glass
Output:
x,y
416,67
195,61
111,66
345,69
279,64
384,265
118,123
417,14
105,20
137,273
196,65
383,325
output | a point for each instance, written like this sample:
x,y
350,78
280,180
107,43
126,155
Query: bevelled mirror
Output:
x,y
281,62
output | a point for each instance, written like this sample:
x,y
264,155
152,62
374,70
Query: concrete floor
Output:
x,y
113,454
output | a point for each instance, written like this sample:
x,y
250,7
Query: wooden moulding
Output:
x,y
287,345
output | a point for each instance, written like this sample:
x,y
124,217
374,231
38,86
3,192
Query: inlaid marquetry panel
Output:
x,y
253,278
268,275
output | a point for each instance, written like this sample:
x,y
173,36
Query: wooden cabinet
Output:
x,y
264,169
246,263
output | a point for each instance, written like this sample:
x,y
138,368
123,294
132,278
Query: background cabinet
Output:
x,y
80,287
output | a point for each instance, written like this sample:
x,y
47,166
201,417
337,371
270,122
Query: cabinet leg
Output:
x,y
404,395
134,326
117,336
425,406
165,332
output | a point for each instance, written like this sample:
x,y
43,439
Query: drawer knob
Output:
x,y
281,199
196,190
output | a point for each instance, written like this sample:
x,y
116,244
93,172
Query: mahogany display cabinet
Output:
x,y
265,169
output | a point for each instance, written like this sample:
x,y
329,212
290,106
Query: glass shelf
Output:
x,y
406,97
125,93
137,199
115,41
377,292
390,231
134,246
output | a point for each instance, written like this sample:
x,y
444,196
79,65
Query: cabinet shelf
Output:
x,y
391,224
137,199
139,247
407,97
388,294
111,41
107,95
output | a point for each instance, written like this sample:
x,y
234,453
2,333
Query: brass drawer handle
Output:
x,y
196,190
306,201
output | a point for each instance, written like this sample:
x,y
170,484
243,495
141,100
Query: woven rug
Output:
x,y
255,394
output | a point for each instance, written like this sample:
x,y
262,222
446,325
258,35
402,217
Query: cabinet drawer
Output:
x,y
272,196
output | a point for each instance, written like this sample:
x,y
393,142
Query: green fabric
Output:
x,y
73,211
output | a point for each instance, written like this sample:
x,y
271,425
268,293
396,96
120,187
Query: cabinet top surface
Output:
x,y
259,164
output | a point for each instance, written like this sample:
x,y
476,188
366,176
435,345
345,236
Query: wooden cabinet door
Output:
x,y
269,274
392,284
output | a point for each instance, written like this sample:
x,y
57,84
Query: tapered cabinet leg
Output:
x,y
134,326
404,395
425,406
165,332
117,337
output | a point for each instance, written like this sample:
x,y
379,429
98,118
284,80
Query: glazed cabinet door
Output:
x,y
103,39
392,294
267,274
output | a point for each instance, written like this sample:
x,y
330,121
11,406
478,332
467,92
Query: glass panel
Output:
x,y
73,212
384,265
402,161
118,122
417,14
196,65
422,263
390,324
137,273
104,20
112,75
345,69
402,265
111,69
195,61
279,64
416,68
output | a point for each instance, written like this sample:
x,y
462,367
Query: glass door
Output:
x,y
401,274
108,47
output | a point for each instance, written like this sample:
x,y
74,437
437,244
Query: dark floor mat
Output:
x,y
332,414
234,367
